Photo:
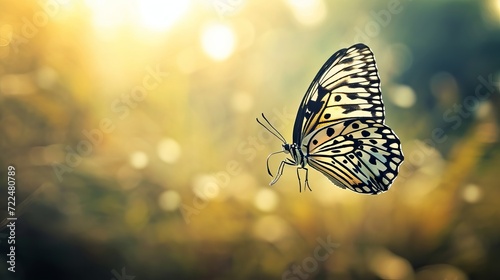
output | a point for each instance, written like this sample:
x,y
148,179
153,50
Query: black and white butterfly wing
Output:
x,y
361,155
340,124
346,87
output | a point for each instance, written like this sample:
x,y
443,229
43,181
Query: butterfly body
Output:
x,y
298,156
339,129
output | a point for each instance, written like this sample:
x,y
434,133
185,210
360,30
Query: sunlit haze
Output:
x,y
218,41
152,14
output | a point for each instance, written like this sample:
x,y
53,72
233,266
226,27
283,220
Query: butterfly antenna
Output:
x,y
274,131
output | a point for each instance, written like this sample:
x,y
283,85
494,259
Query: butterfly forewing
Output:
x,y
346,87
362,155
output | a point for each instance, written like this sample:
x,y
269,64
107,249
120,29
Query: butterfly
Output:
x,y
340,127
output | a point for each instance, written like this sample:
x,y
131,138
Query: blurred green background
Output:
x,y
131,125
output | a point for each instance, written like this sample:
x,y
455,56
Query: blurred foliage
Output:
x,y
135,142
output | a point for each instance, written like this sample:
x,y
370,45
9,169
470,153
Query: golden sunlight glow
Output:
x,y
139,160
160,15
308,12
271,228
266,200
107,14
205,187
169,150
496,6
218,41
403,96
169,200
389,266
152,14
472,193
492,11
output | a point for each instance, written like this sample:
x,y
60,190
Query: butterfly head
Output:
x,y
286,148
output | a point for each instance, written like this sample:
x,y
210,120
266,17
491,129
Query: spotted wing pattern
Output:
x,y
362,155
346,87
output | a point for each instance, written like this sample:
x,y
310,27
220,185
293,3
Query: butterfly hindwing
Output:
x,y
346,87
362,155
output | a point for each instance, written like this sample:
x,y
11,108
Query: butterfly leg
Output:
x,y
306,182
307,179
280,170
